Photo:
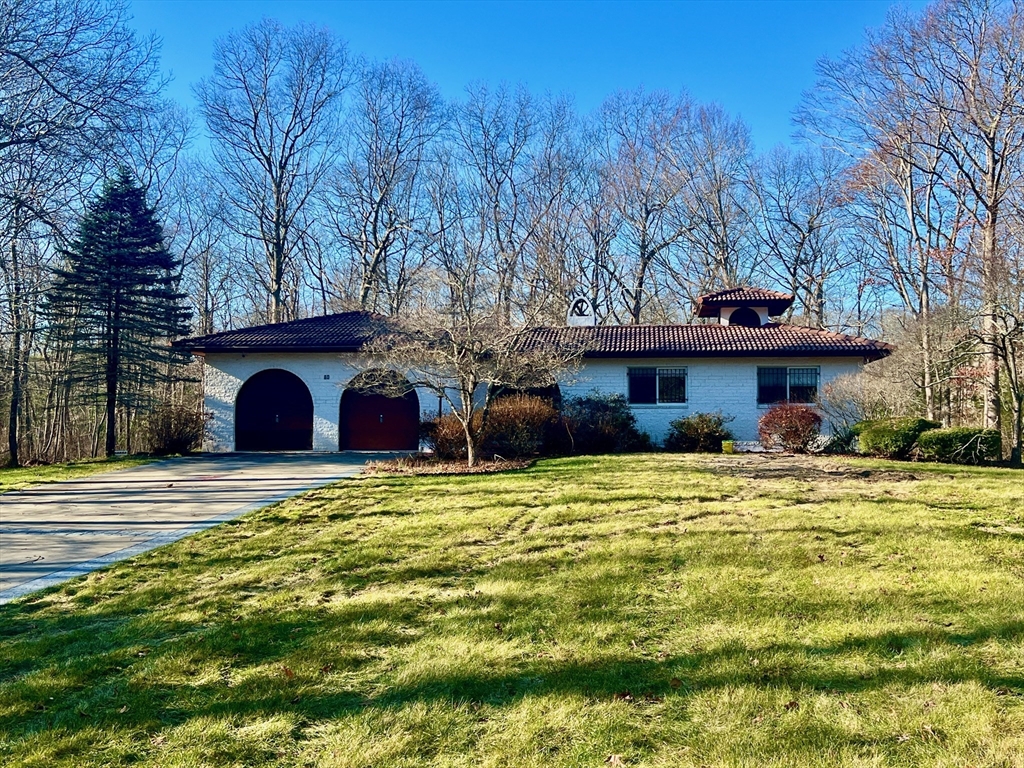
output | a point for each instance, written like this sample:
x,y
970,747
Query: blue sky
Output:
x,y
754,58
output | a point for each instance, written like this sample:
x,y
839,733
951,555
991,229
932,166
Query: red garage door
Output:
x,y
371,421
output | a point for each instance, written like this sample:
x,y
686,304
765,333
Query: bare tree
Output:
x,y
716,213
462,346
71,73
374,200
73,77
465,360
272,112
943,93
799,206
596,227
552,202
196,231
645,168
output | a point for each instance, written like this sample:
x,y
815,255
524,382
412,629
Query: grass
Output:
x,y
16,478
640,611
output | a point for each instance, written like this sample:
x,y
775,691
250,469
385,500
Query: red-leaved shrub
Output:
x,y
789,426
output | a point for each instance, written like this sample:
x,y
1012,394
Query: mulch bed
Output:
x,y
428,465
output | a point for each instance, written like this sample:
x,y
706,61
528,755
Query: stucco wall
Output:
x,y
727,384
324,374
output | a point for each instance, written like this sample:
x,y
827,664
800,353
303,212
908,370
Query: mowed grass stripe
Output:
x,y
666,610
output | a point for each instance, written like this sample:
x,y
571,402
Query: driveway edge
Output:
x,y
161,539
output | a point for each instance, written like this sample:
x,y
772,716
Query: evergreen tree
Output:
x,y
116,301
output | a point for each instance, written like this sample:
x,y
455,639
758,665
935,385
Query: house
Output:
x,y
291,386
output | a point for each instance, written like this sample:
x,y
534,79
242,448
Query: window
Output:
x,y
656,385
803,385
794,385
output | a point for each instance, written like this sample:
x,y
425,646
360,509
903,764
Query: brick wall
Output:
x,y
727,384
324,374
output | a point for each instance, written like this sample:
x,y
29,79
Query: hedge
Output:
x,y
960,445
892,438
600,423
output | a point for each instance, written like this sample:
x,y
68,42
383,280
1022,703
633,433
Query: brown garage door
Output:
x,y
375,422
274,412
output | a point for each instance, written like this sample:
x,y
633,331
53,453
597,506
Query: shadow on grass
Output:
x,y
302,660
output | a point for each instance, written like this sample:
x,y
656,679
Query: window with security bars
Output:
x,y
648,386
792,385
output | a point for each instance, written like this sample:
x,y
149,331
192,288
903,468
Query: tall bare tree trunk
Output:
x,y
18,357
990,330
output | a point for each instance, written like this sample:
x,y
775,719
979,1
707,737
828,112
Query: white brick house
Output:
x,y
286,386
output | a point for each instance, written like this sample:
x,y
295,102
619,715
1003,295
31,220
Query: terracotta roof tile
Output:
x,y
777,303
713,340
344,332
732,295
348,331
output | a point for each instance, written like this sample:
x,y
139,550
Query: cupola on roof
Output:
x,y
776,303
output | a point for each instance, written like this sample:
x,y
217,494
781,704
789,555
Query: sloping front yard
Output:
x,y
655,610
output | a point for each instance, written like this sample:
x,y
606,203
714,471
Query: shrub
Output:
x,y
518,425
445,437
603,424
843,440
175,429
854,397
700,433
891,438
960,445
789,426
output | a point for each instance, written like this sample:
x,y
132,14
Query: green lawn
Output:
x,y
23,477
640,611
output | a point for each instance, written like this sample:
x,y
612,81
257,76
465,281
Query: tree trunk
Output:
x,y
12,424
1018,432
990,329
470,445
111,402
926,352
18,357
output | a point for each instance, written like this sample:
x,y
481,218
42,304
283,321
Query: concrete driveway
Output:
x,y
54,532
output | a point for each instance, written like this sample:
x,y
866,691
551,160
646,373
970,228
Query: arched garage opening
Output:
x,y
378,418
274,412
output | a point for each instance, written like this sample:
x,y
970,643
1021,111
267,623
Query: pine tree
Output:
x,y
116,301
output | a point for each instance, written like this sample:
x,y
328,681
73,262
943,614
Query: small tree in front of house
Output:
x,y
466,364
116,301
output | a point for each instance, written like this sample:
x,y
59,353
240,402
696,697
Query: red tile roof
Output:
x,y
349,331
777,303
713,340
344,332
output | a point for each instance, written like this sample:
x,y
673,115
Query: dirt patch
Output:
x,y
781,466
427,465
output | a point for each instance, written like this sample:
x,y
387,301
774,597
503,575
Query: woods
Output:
x,y
312,180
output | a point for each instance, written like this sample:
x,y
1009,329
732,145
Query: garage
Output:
x,y
274,412
376,419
